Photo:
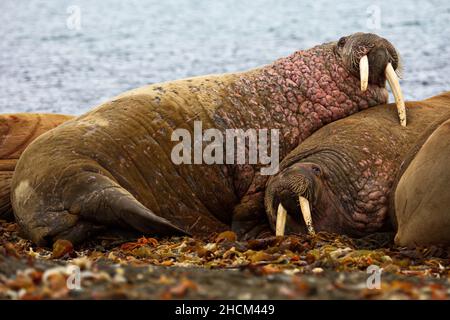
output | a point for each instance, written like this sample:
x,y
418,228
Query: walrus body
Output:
x,y
17,131
347,172
422,195
112,167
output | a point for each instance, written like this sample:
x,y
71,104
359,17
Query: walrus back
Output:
x,y
114,148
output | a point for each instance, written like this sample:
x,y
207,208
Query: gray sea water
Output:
x,y
68,56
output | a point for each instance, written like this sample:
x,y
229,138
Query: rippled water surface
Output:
x,y
46,66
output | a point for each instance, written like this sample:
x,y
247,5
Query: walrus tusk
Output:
x,y
306,213
392,79
281,220
364,72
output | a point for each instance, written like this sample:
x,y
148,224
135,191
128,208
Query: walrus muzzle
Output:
x,y
298,191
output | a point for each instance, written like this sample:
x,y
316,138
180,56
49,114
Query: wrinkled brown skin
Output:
x,y
17,131
111,167
422,195
348,169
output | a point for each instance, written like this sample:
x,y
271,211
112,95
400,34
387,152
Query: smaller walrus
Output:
x,y
422,196
17,131
341,177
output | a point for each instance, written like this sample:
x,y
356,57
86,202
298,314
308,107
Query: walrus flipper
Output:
x,y
132,213
106,202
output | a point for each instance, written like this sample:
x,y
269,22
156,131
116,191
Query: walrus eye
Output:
x,y
316,170
341,42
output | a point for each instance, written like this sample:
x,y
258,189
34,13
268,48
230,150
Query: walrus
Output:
x,y
114,167
422,194
340,178
17,131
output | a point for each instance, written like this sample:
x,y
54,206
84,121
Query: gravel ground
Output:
x,y
107,281
322,267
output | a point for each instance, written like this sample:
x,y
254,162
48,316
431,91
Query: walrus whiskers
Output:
x,y
281,220
364,72
306,214
392,79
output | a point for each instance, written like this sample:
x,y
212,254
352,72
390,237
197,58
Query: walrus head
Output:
x,y
374,60
339,179
317,194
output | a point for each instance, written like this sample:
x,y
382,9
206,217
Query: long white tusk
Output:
x,y
364,72
392,79
281,220
306,213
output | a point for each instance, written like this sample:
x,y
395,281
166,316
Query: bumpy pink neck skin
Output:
x,y
361,185
297,95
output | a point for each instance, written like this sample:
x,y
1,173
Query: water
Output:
x,y
48,66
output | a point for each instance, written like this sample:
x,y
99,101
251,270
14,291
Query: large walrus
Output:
x,y
422,195
113,167
341,177
17,131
